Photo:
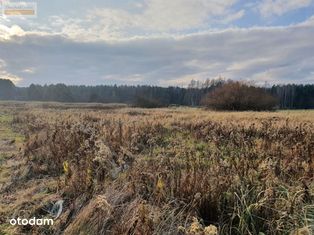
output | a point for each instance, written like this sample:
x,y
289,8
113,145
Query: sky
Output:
x,y
158,42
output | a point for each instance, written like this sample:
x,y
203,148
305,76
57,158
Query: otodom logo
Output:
x,y
33,221
19,9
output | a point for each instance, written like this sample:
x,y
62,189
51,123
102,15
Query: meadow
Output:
x,y
179,170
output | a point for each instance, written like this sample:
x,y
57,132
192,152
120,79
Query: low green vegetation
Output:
x,y
7,132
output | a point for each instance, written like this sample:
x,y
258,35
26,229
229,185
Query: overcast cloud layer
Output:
x,y
160,42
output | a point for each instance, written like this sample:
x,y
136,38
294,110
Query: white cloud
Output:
x,y
233,17
29,70
152,17
279,7
182,14
6,75
150,42
7,32
273,54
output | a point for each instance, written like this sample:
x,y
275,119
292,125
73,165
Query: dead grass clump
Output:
x,y
188,173
95,218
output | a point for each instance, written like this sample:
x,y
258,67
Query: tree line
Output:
x,y
291,96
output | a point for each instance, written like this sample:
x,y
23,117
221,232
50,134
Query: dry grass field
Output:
x,y
123,170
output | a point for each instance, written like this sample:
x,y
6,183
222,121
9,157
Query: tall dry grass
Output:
x,y
175,171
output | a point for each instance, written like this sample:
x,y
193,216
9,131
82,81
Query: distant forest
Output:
x,y
290,96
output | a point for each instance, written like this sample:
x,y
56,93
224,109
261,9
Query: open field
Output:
x,y
122,170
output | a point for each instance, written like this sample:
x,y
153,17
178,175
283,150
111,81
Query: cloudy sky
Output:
x,y
158,42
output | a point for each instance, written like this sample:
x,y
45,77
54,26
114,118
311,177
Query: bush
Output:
x,y
239,96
